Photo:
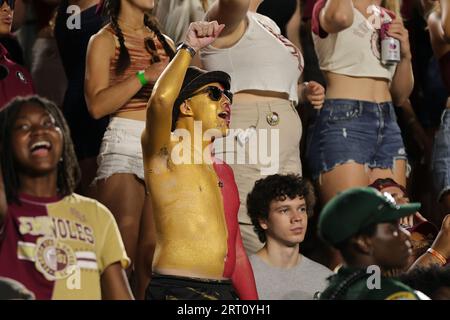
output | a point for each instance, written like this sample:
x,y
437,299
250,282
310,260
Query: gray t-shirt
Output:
x,y
301,282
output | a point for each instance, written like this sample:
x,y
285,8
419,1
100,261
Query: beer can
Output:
x,y
390,47
390,51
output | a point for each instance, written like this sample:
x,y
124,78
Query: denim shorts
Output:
x,y
121,150
353,131
440,164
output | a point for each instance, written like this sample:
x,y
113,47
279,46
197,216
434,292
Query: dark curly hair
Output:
x,y
429,280
68,169
276,187
111,9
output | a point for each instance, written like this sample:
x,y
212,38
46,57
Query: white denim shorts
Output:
x,y
121,150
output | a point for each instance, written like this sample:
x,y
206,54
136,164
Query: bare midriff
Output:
x,y
254,96
448,103
354,88
191,233
133,115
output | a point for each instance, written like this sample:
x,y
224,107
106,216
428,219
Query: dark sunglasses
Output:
x,y
10,3
215,93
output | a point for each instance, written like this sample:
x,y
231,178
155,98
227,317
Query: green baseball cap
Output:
x,y
355,209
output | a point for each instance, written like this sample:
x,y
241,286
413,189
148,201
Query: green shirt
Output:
x,y
352,284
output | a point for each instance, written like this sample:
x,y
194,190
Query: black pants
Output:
x,y
167,287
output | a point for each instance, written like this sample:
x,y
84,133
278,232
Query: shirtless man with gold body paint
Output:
x,y
199,252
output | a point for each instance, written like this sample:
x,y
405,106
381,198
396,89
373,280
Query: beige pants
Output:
x,y
255,149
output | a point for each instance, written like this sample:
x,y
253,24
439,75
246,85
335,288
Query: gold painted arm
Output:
x,y
156,136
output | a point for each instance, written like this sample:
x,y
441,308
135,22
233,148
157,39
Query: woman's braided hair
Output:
x,y
112,9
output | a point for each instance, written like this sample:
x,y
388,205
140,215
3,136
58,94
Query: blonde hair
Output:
x,y
436,7
392,5
205,5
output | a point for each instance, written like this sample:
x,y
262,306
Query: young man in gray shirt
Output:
x,y
278,206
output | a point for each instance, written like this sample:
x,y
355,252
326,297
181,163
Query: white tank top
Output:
x,y
354,51
261,60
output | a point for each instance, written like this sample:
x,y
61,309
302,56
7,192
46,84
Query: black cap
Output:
x,y
194,79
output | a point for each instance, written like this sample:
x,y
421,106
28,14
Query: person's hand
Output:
x,y
397,30
418,218
202,33
314,92
442,242
153,71
412,220
407,222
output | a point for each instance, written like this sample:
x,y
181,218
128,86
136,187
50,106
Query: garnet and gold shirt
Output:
x,y
59,247
15,80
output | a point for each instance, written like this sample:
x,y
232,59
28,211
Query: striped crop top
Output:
x,y
140,57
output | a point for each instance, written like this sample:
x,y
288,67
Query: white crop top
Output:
x,y
261,60
354,51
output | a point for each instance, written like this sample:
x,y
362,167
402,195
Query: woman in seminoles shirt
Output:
x,y
354,139
14,79
58,244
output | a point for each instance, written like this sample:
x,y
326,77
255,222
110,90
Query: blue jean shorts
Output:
x,y
353,131
440,164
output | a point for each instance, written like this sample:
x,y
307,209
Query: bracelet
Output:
x,y
191,50
141,77
437,255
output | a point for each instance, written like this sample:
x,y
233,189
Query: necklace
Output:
x,y
220,183
142,27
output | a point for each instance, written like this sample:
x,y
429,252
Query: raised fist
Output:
x,y
202,33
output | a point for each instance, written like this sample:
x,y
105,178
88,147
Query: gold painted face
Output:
x,y
211,105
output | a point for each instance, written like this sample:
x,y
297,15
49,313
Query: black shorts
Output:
x,y
168,287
